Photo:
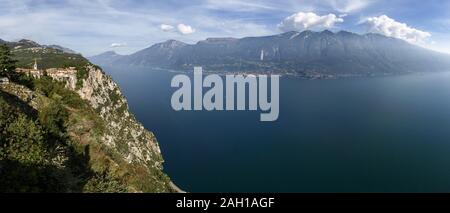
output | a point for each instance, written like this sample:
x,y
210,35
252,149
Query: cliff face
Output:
x,y
88,140
124,133
122,155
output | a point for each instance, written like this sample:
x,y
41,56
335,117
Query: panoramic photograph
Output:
x,y
224,96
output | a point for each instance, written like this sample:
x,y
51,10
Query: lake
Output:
x,y
381,134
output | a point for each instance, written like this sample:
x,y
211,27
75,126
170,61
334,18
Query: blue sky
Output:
x,y
95,26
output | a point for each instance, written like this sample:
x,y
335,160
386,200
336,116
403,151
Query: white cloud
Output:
x,y
390,27
348,6
91,26
167,28
185,29
303,21
115,45
181,28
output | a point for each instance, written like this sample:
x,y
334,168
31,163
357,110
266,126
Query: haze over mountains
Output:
x,y
307,54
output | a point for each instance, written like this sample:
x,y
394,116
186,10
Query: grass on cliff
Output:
x,y
56,141
33,142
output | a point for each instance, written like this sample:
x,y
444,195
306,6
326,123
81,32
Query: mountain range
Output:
x,y
307,54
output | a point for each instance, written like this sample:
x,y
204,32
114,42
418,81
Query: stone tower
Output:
x,y
35,66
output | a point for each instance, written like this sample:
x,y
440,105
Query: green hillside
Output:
x,y
52,140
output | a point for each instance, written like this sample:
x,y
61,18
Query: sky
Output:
x,y
125,26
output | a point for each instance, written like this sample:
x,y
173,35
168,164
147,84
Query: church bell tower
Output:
x,y
35,66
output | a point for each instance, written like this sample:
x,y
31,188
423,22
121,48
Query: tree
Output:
x,y
7,63
25,142
53,118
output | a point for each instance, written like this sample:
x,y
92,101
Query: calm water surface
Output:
x,y
385,134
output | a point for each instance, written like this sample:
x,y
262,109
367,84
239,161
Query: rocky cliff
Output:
x,y
99,145
124,133
117,146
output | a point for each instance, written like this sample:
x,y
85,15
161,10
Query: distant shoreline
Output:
x,y
294,75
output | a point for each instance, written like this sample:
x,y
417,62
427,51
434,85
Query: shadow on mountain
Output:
x,y
21,106
32,159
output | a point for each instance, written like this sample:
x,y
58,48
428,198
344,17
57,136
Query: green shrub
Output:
x,y
104,183
53,118
24,143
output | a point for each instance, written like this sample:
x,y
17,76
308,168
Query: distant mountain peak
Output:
x,y
111,52
175,43
294,34
289,33
306,53
172,41
327,32
27,41
61,48
105,57
170,44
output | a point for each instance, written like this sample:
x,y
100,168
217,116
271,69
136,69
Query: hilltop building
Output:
x,y
67,75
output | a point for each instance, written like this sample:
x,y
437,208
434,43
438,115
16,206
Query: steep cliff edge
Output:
x,y
90,142
124,132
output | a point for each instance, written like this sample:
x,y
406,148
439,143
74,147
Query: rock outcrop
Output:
x,y
118,153
124,132
134,156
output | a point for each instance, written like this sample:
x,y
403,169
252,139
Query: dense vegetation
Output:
x,y
51,140
7,63
54,148
37,152
51,59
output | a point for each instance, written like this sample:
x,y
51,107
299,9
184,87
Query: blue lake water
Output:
x,y
383,134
